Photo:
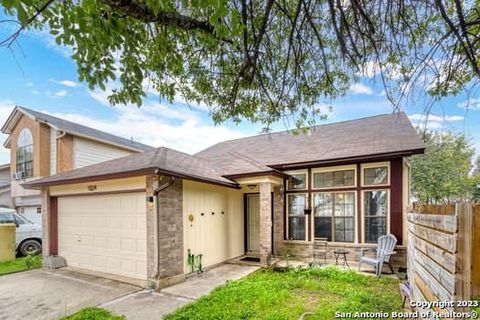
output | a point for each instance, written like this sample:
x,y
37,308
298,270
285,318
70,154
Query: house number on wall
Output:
x,y
92,187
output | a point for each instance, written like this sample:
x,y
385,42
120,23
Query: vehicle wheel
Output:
x,y
30,247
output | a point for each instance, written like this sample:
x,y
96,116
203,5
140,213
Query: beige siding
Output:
x,y
5,176
217,236
135,183
88,152
53,151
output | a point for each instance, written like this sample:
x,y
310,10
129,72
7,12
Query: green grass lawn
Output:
x,y
93,314
20,264
287,295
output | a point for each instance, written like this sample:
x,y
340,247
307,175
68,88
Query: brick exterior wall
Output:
x,y
265,223
170,233
303,250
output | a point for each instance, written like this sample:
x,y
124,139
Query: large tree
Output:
x,y
260,60
443,173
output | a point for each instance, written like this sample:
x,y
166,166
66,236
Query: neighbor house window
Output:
x,y
296,216
297,181
334,179
334,216
24,155
375,204
375,176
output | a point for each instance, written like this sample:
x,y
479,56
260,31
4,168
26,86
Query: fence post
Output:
x,y
464,252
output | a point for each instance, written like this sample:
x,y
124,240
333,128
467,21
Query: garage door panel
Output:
x,y
104,233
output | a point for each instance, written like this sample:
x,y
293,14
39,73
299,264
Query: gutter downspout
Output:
x,y
156,190
61,135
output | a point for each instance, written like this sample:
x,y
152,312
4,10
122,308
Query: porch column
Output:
x,y
265,223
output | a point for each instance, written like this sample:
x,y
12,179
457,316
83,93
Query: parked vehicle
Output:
x,y
28,234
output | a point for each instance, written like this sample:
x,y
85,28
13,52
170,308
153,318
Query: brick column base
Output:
x,y
265,223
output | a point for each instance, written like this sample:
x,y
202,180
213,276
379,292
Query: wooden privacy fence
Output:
x,y
443,253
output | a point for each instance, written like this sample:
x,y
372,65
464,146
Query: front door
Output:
x,y
253,223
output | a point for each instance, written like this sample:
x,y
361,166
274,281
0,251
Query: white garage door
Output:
x,y
105,233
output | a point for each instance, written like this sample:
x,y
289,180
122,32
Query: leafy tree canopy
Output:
x,y
260,60
443,173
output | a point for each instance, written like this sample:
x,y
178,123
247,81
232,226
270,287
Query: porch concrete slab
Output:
x,y
148,304
50,294
199,285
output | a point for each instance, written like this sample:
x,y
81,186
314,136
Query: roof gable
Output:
x,y
71,128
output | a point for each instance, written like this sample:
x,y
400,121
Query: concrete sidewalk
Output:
x,y
148,304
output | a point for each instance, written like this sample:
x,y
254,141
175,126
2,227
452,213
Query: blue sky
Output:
x,y
42,76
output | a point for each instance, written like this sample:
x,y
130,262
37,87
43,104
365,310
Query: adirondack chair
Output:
x,y
384,250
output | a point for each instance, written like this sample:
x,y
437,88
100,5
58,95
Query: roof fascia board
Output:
x,y
348,159
126,174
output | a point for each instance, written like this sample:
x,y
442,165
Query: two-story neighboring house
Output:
x,y
42,145
5,199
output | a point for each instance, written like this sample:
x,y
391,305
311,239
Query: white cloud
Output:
x,y
470,104
66,83
432,121
30,84
158,125
35,92
61,93
6,108
360,88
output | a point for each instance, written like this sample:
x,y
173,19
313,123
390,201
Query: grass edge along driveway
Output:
x,y
20,264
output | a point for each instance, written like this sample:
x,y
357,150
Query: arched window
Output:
x,y
25,153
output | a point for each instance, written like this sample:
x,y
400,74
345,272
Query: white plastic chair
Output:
x,y
384,249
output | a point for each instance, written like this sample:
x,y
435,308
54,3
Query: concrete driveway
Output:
x,y
50,294
44,294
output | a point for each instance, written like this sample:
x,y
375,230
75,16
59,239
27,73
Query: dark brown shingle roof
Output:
x,y
376,135
380,135
165,160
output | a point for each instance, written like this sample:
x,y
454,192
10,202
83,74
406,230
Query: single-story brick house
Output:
x,y
137,217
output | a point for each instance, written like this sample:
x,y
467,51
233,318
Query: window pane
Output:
x,y
296,216
296,204
344,229
297,181
337,209
375,203
296,228
28,153
323,227
343,178
323,179
375,227
375,176
323,204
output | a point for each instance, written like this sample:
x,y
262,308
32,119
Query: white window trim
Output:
x,y
355,216
375,165
305,172
332,169
287,217
362,200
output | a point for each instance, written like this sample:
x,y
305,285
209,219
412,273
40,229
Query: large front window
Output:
x,y
24,155
375,212
296,216
334,216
